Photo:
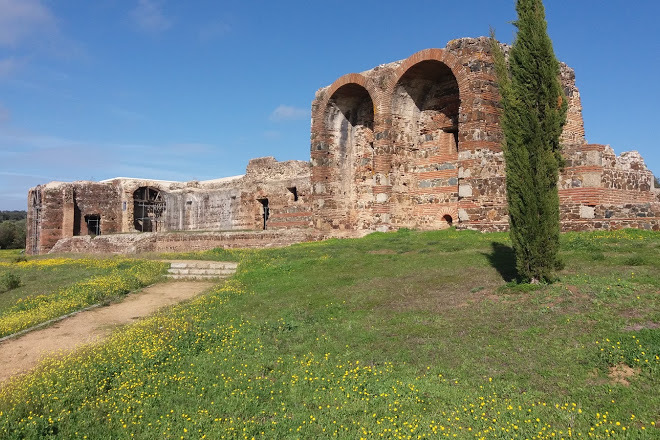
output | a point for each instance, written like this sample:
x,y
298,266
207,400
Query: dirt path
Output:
x,y
18,355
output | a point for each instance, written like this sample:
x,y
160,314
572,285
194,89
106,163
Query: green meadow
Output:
x,y
399,335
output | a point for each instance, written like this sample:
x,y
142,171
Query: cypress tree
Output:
x,y
532,116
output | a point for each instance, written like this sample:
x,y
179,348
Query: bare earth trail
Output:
x,y
19,355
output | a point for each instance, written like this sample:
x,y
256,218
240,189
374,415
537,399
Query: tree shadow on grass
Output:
x,y
503,259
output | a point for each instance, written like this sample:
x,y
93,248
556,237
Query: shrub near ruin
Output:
x,y
9,281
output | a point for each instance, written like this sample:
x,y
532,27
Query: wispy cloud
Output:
x,y
272,134
4,114
126,114
214,30
289,113
148,16
9,65
21,20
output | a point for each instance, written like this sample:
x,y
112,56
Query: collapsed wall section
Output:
x,y
58,210
599,190
429,154
271,195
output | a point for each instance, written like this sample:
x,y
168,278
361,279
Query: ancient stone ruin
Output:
x,y
413,143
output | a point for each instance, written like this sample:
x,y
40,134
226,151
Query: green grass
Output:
x,y
52,287
8,255
396,335
43,281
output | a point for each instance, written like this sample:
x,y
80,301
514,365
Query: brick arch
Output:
x,y
448,210
441,55
351,78
425,186
342,166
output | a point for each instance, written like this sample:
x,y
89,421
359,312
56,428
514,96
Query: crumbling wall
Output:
x,y
415,143
434,155
58,210
599,190
135,243
281,188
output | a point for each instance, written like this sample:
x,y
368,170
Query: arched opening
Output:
x,y
425,108
349,121
148,208
448,220
425,127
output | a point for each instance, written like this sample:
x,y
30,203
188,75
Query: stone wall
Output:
x,y
414,143
60,210
136,243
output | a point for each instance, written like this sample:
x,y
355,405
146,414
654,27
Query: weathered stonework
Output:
x,y
280,189
432,156
413,143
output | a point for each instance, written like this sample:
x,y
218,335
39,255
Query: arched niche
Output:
x,y
349,126
425,109
148,208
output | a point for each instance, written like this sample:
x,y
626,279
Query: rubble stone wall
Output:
x,y
414,143
59,210
429,155
135,243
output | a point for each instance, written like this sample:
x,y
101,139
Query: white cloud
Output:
x,y
149,17
214,30
4,114
289,113
8,66
272,134
23,19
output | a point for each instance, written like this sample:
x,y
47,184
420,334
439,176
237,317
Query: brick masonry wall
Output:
x,y
423,174
414,143
59,210
136,243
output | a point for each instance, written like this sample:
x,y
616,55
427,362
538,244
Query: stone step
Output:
x,y
195,277
204,265
197,271
201,270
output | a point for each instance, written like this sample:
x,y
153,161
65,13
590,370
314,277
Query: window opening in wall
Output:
x,y
447,218
265,213
148,208
294,191
77,219
454,131
93,222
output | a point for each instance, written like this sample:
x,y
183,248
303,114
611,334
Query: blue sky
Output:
x,y
178,90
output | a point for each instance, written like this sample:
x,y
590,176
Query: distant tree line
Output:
x,y
657,182
12,229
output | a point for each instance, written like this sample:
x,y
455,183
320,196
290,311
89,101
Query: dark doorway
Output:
x,y
93,222
265,212
148,207
293,190
447,218
77,220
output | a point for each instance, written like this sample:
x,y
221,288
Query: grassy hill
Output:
x,y
399,335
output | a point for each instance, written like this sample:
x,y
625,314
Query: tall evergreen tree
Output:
x,y
532,117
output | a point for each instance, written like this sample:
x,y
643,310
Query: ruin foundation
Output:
x,y
414,143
